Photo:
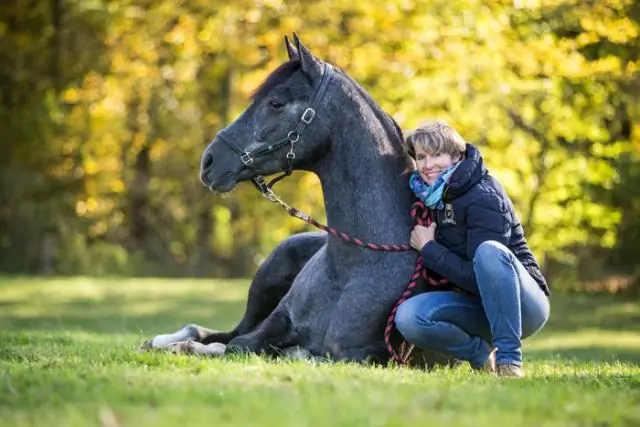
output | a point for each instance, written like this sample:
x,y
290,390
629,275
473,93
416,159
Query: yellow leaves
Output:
x,y
289,24
90,167
87,207
586,38
274,4
632,69
159,149
367,58
616,30
70,96
175,37
253,16
116,185
636,136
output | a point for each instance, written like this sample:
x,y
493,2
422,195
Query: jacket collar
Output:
x,y
468,174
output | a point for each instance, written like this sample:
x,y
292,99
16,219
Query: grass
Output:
x,y
67,359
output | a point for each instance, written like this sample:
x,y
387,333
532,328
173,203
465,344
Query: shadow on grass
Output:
x,y
573,312
586,354
116,314
582,327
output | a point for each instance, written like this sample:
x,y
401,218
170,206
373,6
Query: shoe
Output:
x,y
490,365
509,370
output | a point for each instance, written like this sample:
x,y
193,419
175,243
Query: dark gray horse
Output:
x,y
315,292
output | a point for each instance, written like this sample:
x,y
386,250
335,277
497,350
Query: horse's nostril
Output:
x,y
207,161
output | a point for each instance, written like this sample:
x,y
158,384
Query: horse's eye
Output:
x,y
274,103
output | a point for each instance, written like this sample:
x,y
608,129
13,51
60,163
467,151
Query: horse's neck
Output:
x,y
365,187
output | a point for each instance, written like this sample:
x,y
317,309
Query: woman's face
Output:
x,y
431,166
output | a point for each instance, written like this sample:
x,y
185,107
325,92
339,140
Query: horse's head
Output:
x,y
284,128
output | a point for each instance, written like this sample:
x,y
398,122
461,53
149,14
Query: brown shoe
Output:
x,y
490,365
509,370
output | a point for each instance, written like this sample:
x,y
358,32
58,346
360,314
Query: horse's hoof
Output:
x,y
213,349
145,346
182,347
297,353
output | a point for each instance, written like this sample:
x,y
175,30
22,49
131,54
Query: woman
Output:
x,y
478,244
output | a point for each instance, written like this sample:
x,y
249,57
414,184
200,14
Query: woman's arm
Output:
x,y
488,218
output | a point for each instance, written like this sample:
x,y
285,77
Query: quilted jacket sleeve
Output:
x,y
488,218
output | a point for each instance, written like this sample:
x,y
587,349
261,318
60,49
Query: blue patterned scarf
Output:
x,y
431,195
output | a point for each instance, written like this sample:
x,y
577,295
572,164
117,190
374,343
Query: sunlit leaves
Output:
x,y
165,76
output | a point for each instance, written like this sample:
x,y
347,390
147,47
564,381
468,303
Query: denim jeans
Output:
x,y
511,306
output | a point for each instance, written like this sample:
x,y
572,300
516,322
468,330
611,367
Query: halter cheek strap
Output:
x,y
248,157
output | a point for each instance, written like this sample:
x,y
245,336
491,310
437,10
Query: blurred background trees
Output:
x,y
106,106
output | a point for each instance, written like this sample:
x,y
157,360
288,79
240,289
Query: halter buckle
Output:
x,y
246,158
308,115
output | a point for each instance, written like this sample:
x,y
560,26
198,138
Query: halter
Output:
x,y
248,157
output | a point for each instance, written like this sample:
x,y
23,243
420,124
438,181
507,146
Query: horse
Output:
x,y
315,293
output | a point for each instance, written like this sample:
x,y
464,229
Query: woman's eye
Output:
x,y
274,103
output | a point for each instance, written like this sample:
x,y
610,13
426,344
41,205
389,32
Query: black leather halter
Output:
x,y
248,157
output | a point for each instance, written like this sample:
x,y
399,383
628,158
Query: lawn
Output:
x,y
67,358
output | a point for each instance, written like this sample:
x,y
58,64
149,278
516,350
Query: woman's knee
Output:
x,y
490,250
490,259
407,317
416,314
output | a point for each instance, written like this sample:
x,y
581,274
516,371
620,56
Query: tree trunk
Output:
x,y
139,202
206,223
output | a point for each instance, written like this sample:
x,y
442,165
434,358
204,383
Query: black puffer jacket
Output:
x,y
476,209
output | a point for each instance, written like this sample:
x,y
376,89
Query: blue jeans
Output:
x,y
511,306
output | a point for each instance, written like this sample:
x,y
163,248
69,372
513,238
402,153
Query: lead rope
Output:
x,y
420,215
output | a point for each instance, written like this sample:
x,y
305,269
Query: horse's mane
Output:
x,y
382,114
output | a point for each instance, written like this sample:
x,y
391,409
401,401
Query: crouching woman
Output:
x,y
478,244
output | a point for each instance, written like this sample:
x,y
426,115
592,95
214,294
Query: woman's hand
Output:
x,y
422,235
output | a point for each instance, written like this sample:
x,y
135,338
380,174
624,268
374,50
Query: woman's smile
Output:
x,y
431,165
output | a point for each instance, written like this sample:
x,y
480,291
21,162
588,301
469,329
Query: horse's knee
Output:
x,y
242,345
272,334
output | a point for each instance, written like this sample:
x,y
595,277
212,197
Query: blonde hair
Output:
x,y
437,138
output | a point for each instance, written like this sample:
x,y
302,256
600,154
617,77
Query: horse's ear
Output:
x,y
291,50
309,64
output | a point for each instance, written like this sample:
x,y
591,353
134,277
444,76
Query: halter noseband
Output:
x,y
248,157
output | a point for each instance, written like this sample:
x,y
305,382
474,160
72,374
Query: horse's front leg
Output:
x,y
271,337
271,282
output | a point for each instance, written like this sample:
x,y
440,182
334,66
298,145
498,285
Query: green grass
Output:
x,y
67,358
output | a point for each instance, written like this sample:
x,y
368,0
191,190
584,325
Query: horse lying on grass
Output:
x,y
315,293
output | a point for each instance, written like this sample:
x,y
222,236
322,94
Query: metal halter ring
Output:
x,y
293,136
